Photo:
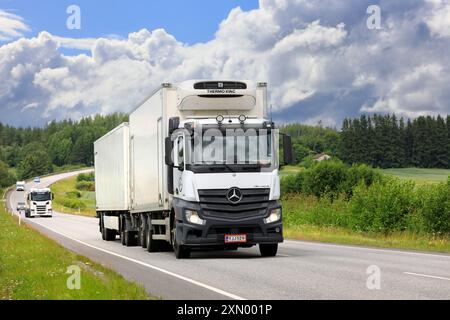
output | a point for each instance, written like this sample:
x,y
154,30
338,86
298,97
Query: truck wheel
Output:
x,y
27,214
130,239
268,250
152,245
181,252
108,235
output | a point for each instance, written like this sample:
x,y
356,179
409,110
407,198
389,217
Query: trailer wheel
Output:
x,y
108,235
181,252
152,245
268,250
130,238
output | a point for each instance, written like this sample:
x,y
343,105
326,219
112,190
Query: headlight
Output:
x,y
275,215
193,217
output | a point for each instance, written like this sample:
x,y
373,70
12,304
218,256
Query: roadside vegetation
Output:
x,y
335,202
30,152
33,267
75,195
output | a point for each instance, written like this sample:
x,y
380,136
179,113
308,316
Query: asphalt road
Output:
x,y
302,270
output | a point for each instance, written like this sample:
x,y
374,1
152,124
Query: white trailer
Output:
x,y
159,183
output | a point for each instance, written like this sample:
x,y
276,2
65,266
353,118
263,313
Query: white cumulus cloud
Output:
x,y
319,58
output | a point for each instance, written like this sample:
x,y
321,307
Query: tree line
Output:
x,y
386,141
37,151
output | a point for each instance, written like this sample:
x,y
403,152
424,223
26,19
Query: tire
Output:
x,y
152,245
181,252
130,239
107,234
27,214
268,250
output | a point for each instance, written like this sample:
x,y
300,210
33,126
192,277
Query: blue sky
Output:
x,y
320,58
189,21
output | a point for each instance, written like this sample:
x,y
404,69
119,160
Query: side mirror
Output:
x,y
287,149
53,196
168,151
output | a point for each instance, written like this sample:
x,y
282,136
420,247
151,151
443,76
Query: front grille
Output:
x,y
214,203
215,85
41,208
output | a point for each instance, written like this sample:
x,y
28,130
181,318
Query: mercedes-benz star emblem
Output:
x,y
234,195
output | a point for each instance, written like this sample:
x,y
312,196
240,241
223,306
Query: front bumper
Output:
x,y
213,232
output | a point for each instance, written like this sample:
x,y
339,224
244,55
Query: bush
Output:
x,y
357,174
385,206
292,184
72,203
85,186
86,177
434,208
326,178
73,194
329,178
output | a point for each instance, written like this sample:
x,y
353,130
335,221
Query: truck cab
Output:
x,y
39,203
226,185
20,186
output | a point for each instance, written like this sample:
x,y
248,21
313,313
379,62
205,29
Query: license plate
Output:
x,y
235,238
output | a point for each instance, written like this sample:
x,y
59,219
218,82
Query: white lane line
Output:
x,y
283,255
219,291
426,276
362,248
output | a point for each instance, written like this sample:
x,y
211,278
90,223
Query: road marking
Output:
x,y
292,241
219,291
426,276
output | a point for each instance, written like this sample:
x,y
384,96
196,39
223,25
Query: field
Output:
x,y
33,267
288,170
64,202
420,175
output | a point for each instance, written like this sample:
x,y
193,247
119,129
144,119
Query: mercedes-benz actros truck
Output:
x,y
196,167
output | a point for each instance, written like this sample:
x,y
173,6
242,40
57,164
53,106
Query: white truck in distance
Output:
x,y
20,186
196,167
38,203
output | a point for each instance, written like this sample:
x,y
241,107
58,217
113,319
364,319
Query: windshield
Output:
x,y
41,196
236,149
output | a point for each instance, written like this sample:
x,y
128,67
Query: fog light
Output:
x,y
193,217
275,215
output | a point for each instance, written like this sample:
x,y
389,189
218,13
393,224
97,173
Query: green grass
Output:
x,y
420,175
33,267
60,190
307,218
288,170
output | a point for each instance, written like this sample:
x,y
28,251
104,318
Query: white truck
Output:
x,y
195,167
20,186
38,203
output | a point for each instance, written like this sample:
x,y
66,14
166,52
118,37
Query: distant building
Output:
x,y
322,157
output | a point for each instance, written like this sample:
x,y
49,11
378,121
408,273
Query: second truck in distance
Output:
x,y
196,167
